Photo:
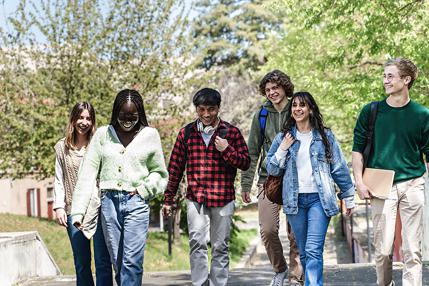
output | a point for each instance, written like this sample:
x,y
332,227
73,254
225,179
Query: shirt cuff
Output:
x,y
350,202
59,206
281,156
227,150
168,201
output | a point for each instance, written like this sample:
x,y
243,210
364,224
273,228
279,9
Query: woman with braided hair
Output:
x,y
127,157
69,153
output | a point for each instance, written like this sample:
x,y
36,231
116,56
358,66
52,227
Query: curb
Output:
x,y
249,254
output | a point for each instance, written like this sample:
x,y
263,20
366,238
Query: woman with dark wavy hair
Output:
x,y
308,157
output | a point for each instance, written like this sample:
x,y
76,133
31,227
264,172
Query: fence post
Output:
x,y
368,234
170,230
352,239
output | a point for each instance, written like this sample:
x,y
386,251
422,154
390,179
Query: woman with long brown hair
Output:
x,y
69,153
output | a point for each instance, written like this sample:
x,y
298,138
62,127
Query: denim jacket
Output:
x,y
325,173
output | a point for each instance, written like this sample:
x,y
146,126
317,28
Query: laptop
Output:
x,y
379,181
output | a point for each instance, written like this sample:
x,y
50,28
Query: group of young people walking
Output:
x,y
105,178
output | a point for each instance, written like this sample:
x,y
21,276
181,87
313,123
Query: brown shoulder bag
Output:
x,y
273,189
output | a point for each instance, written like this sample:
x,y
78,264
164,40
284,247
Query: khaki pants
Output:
x,y
269,221
408,198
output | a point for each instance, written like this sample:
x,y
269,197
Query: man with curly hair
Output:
x,y
267,121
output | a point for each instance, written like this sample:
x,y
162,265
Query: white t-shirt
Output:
x,y
303,163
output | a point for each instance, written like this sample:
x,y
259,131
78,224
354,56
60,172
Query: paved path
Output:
x,y
335,275
337,271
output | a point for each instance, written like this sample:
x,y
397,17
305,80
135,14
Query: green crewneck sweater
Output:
x,y
401,139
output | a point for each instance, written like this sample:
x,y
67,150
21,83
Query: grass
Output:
x,y
156,253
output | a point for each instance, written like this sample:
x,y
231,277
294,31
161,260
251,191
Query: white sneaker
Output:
x,y
278,278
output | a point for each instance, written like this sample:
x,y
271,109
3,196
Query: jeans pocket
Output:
x,y
139,197
135,197
102,194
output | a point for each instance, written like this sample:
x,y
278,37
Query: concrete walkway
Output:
x,y
256,270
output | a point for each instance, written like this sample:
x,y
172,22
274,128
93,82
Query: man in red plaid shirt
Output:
x,y
211,150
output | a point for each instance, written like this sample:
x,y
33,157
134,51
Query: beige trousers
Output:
x,y
269,223
408,198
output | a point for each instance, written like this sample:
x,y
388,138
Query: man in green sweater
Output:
x,y
401,140
277,87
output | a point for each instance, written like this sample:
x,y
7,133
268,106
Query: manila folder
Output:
x,y
379,181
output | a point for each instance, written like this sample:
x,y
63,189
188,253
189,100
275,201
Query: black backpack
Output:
x,y
370,134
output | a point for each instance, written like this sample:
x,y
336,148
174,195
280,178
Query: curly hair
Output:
x,y
280,78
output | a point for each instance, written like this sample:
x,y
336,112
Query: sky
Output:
x,y
8,7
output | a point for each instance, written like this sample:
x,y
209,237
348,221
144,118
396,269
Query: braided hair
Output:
x,y
316,119
128,95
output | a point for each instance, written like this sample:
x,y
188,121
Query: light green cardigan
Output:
x,y
138,167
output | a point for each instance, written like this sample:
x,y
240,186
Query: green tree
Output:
x,y
336,50
56,53
230,33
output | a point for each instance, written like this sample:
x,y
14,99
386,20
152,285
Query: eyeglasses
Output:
x,y
390,77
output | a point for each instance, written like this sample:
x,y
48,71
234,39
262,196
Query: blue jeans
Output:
x,y
82,256
309,226
125,220
103,266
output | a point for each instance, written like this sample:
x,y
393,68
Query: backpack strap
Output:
x,y
370,134
263,114
186,138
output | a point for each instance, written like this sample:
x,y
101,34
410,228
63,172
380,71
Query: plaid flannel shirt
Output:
x,y
210,173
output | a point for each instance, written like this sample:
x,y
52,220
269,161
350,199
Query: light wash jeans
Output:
x,y
82,256
212,223
125,220
309,226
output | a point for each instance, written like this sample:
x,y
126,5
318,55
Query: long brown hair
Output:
x,y
75,113
316,119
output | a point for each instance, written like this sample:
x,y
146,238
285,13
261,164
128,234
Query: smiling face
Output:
x,y
208,114
393,82
128,116
84,123
300,110
275,93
